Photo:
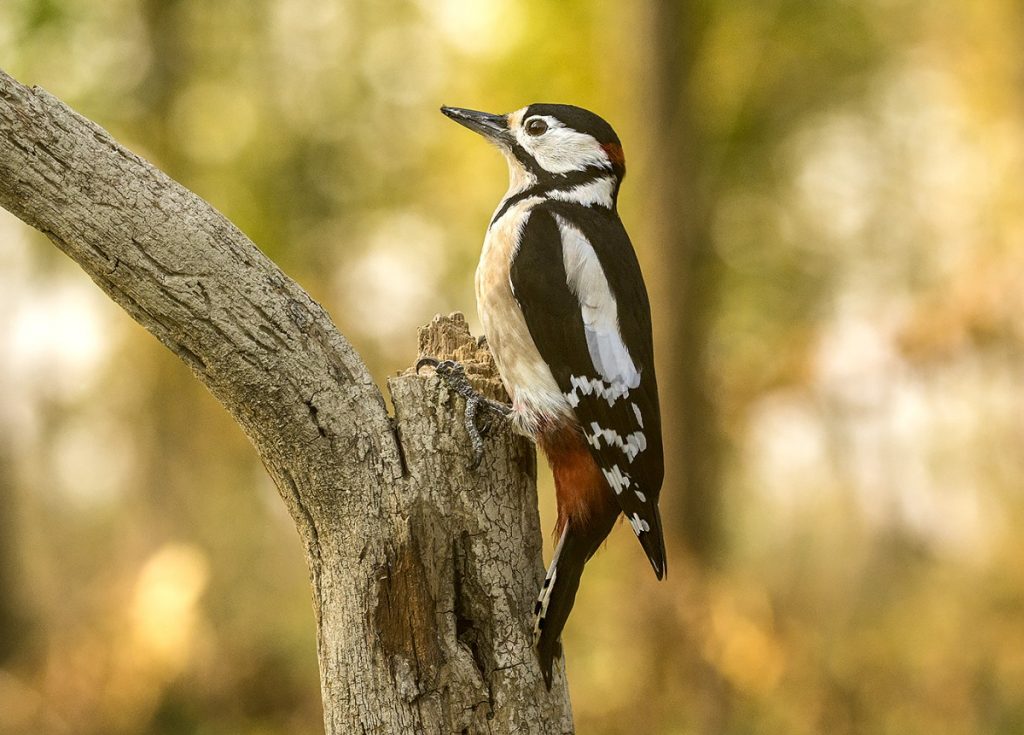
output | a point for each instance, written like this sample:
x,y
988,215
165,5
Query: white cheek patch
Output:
x,y
561,149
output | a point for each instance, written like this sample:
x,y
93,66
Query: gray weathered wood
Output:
x,y
423,572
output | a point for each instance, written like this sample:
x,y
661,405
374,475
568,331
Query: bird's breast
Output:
x,y
537,400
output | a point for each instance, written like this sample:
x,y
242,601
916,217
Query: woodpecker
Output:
x,y
566,315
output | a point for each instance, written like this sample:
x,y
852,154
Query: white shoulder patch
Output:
x,y
598,191
586,279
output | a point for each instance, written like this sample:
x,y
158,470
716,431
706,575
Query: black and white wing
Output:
x,y
577,280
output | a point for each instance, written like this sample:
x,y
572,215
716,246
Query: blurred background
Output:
x,y
827,201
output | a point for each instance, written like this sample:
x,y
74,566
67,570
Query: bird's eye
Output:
x,y
536,126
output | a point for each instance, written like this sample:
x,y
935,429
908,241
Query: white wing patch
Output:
x,y
586,279
639,524
618,480
582,385
631,445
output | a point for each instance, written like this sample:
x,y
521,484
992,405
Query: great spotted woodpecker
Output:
x,y
567,318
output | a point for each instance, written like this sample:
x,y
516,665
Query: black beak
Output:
x,y
492,127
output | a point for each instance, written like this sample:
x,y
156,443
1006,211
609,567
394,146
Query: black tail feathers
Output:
x,y
653,542
558,594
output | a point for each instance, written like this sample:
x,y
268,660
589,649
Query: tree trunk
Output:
x,y
423,572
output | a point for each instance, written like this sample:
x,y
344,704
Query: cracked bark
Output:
x,y
423,572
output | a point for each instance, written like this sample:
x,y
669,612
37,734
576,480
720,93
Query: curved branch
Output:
x,y
257,340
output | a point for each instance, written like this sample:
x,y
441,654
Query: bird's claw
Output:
x,y
454,376
431,361
452,372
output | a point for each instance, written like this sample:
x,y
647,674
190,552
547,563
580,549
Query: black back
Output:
x,y
553,316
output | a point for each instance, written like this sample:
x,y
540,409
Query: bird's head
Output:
x,y
549,144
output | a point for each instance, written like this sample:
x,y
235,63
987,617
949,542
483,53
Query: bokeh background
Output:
x,y
827,200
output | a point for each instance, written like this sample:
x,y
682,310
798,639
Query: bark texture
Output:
x,y
423,572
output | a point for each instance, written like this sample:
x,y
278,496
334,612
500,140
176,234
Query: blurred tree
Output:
x,y
688,270
14,619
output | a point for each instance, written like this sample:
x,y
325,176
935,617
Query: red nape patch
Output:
x,y
580,486
615,154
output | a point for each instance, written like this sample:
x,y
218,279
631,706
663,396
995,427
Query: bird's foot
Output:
x,y
477,405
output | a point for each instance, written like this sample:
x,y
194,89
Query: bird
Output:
x,y
567,318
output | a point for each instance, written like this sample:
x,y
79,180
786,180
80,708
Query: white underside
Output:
x,y
535,395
